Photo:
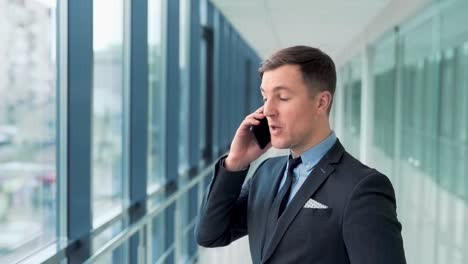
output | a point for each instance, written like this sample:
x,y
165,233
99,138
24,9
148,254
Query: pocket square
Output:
x,y
311,203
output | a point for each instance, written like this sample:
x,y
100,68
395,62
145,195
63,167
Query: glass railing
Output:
x,y
150,231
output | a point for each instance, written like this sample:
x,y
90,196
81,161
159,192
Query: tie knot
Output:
x,y
293,163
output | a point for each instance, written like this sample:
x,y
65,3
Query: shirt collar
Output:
x,y
312,156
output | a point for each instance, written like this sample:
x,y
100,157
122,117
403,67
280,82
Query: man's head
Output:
x,y
298,84
316,67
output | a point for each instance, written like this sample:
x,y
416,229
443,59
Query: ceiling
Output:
x,y
268,25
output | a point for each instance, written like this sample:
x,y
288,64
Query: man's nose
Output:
x,y
268,109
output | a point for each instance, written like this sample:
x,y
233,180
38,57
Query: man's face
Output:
x,y
291,109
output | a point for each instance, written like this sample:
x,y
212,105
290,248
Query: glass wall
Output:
x,y
157,105
108,103
384,74
88,128
352,81
416,138
157,130
204,65
420,129
184,117
28,177
452,143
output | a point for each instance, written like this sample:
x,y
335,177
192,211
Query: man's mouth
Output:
x,y
274,130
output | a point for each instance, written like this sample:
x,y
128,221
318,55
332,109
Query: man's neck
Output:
x,y
317,139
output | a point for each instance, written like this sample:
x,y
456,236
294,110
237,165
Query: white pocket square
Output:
x,y
311,203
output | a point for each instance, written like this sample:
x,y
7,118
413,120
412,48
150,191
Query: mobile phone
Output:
x,y
262,133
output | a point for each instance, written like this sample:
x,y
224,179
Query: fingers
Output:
x,y
249,121
253,119
258,114
260,109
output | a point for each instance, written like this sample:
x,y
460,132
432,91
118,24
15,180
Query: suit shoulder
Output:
x,y
358,180
354,171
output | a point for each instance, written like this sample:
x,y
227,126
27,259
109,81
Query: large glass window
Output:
x,y
454,92
384,74
352,105
203,80
184,117
27,126
156,124
108,98
461,117
416,135
157,106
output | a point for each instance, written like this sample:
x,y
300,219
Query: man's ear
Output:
x,y
323,102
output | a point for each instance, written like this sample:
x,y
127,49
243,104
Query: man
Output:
x,y
320,205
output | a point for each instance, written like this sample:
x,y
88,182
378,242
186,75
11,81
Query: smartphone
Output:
x,y
262,133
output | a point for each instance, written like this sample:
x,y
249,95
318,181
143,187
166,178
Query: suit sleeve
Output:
x,y
223,213
371,230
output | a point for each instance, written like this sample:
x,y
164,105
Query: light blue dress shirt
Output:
x,y
310,158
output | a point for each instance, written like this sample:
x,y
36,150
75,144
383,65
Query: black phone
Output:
x,y
262,133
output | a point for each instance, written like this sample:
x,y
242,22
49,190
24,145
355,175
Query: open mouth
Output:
x,y
275,129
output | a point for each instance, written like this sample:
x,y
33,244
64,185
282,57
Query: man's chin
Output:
x,y
279,144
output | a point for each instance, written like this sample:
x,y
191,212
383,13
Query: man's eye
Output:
x,y
264,99
284,98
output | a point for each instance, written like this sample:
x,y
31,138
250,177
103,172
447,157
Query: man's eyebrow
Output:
x,y
276,88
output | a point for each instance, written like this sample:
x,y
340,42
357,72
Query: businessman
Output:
x,y
316,205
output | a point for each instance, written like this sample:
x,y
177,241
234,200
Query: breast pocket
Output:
x,y
312,219
311,212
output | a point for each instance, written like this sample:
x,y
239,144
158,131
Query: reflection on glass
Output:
x,y
27,126
107,106
156,146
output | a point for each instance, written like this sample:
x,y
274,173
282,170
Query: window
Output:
x,y
384,97
157,106
108,110
27,126
352,104
184,118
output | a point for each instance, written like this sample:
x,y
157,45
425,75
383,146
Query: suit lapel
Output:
x,y
318,176
271,188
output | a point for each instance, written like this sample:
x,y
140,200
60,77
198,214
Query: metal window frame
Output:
x,y
138,118
80,83
172,90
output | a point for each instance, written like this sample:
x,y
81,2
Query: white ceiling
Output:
x,y
268,25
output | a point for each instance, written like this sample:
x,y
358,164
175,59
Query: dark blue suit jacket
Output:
x,y
360,225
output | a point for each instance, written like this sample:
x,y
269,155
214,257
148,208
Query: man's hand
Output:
x,y
244,147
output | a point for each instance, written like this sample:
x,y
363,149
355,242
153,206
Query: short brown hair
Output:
x,y
318,69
